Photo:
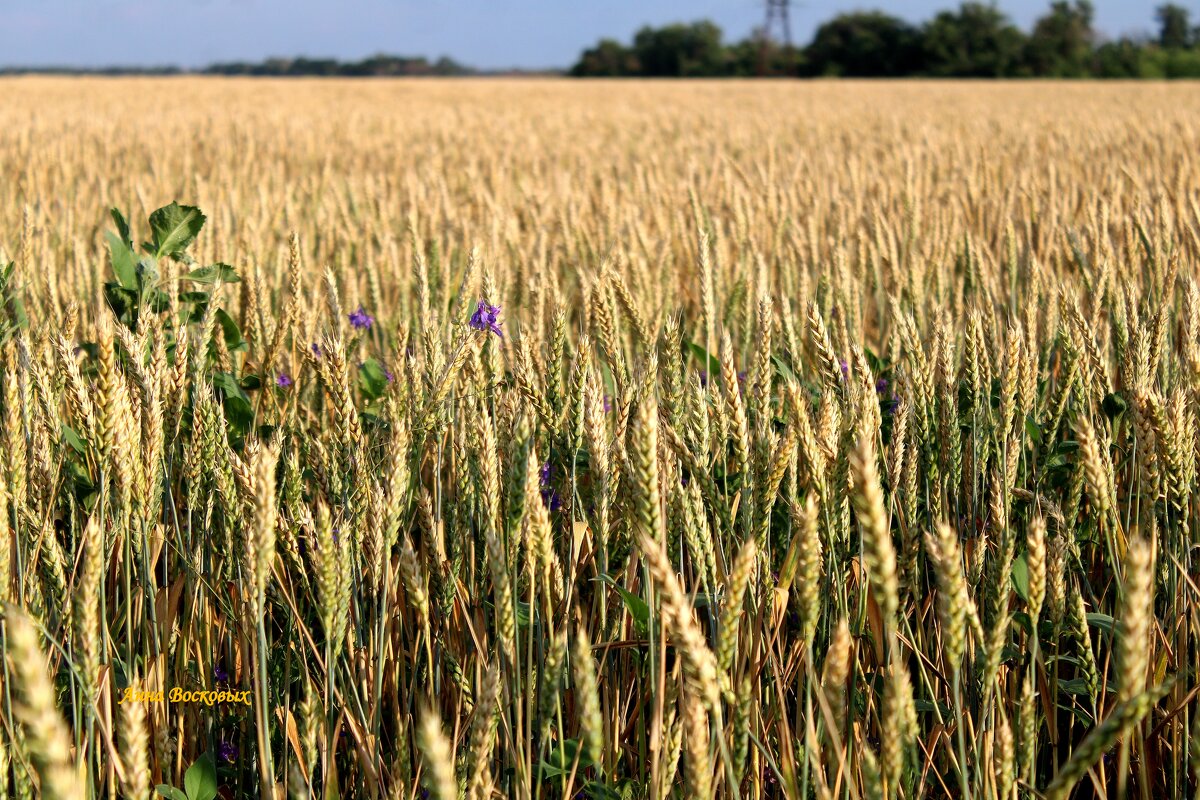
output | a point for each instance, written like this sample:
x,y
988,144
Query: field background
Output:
x,y
841,440
574,171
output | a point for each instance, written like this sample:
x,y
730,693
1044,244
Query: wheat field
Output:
x,y
541,439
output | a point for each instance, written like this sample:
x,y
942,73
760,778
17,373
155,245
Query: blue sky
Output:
x,y
490,34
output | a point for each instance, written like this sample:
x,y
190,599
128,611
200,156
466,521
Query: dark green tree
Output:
x,y
1123,58
609,58
864,44
1061,42
757,55
1174,32
977,40
680,50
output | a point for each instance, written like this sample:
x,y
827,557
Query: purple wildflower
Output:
x,y
845,367
704,377
219,674
549,496
316,348
881,386
227,751
487,318
283,381
361,320
387,373
607,404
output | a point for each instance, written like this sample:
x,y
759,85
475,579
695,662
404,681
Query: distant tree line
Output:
x,y
379,65
115,70
976,40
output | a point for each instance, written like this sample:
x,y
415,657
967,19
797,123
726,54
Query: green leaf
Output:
x,y
16,309
1074,686
372,379
1114,405
123,260
1075,710
711,365
636,606
174,228
926,706
1102,621
120,299
561,761
147,270
198,306
1057,460
170,791
228,385
1032,429
10,300
784,370
231,332
73,439
239,411
1020,576
122,226
600,791
877,364
200,780
213,273
1011,653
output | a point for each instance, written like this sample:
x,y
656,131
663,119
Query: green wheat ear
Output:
x,y
1101,739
